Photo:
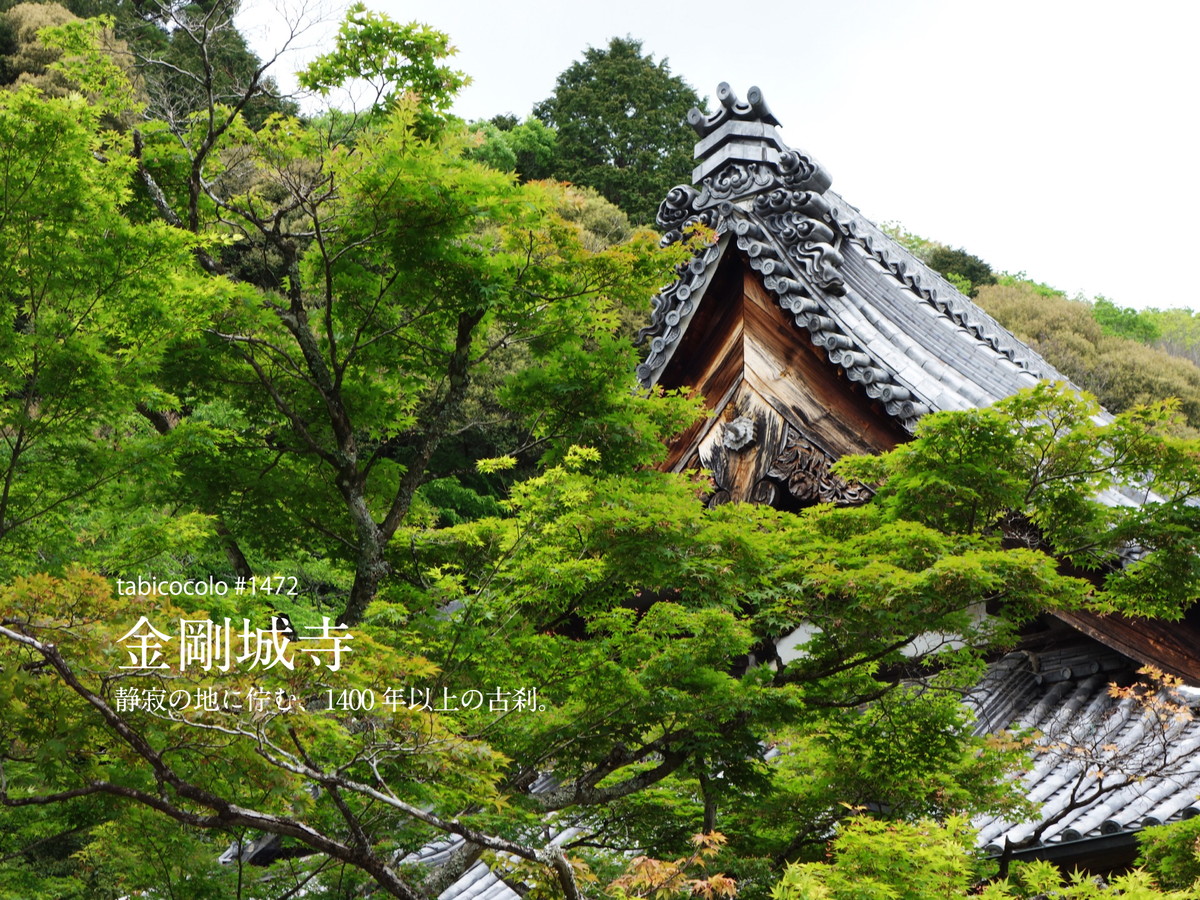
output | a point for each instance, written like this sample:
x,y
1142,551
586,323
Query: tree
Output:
x,y
1172,853
1023,461
964,270
438,244
182,55
95,303
192,59
1178,332
388,58
414,240
1125,322
1122,372
620,122
527,148
959,264
642,710
22,56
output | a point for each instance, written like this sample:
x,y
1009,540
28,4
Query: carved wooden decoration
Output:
x,y
738,448
804,468
738,434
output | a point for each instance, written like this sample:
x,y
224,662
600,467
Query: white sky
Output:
x,y
1057,138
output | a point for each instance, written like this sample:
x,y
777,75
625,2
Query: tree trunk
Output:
x,y
371,565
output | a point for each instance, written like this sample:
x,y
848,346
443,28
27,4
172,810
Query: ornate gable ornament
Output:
x,y
769,199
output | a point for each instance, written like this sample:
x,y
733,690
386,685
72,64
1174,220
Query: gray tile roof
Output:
x,y
892,324
479,882
1101,764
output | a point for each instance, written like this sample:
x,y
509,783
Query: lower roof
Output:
x,y
1111,752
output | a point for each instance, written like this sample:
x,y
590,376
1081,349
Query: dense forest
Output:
x,y
330,519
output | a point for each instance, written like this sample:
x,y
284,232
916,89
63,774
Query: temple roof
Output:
x,y
892,324
1106,761
904,336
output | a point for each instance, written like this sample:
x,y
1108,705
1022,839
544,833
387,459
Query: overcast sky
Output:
x,y
1057,138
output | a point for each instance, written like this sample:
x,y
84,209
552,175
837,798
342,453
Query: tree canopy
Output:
x,y
1122,355
619,117
1120,370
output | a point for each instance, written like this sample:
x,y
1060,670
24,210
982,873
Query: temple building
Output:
x,y
813,334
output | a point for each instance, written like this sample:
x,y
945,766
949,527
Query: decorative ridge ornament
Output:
x,y
754,109
739,144
740,156
738,434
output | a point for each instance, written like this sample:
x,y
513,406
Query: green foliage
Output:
x,y
1172,854
888,861
92,62
165,853
961,266
911,754
601,223
961,284
627,604
1178,331
896,861
1040,879
1019,280
180,57
135,849
392,59
915,244
620,122
490,148
24,58
95,303
907,755
1041,456
1120,371
527,148
426,261
422,240
1175,331
1125,322
964,270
